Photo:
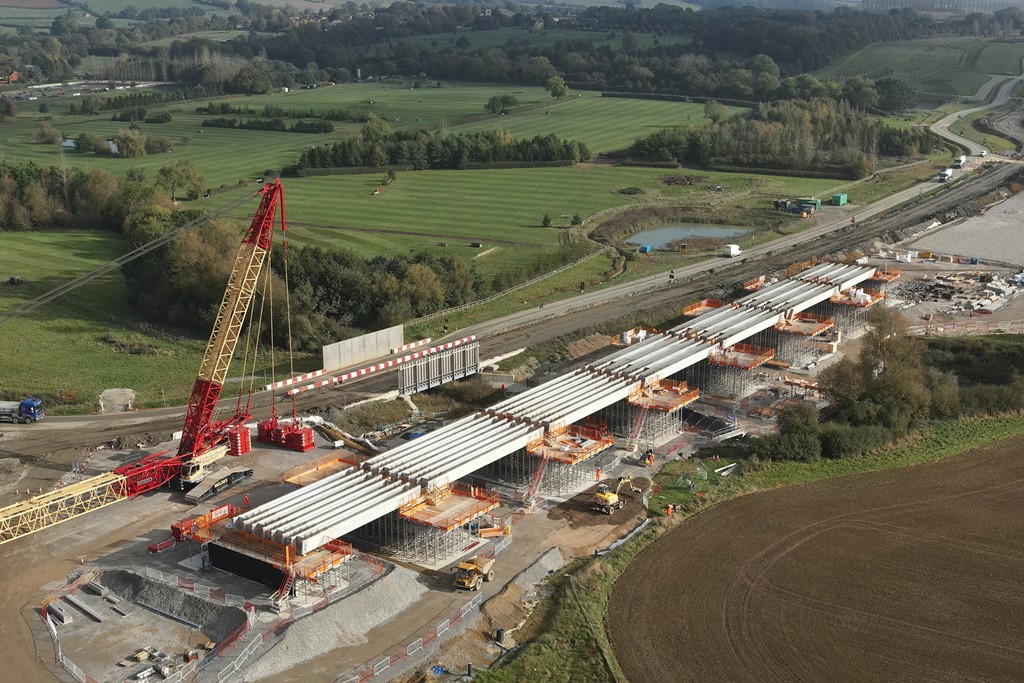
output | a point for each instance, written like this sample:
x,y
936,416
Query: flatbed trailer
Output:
x,y
217,482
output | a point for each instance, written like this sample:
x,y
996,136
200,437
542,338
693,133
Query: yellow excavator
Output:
x,y
607,501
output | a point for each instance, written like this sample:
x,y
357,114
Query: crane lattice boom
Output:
x,y
199,432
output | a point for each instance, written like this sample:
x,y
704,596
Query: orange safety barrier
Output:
x,y
756,283
702,306
447,515
744,356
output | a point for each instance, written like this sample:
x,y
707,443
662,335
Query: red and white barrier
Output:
x,y
294,380
412,345
381,366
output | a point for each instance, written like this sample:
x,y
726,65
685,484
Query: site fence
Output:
x,y
968,327
256,638
203,591
62,658
432,637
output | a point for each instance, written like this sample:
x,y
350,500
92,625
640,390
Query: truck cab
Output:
x,y
28,410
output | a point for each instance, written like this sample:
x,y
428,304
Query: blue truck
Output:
x,y
29,410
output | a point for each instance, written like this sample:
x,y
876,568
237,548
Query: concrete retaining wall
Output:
x,y
365,347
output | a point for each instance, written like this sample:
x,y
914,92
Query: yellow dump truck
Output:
x,y
471,575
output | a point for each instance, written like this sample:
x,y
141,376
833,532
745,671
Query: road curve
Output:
x,y
1002,96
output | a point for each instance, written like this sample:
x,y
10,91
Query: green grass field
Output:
x,y
501,208
216,36
966,128
65,344
226,155
13,18
599,121
946,66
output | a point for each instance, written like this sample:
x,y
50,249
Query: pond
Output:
x,y
661,237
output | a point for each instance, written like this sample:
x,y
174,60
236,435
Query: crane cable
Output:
x,y
288,305
71,285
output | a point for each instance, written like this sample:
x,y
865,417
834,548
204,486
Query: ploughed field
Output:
x,y
912,575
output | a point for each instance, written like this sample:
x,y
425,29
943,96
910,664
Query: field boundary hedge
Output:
x,y
473,166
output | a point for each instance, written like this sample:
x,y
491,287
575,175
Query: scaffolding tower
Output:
x,y
433,527
663,403
398,536
849,310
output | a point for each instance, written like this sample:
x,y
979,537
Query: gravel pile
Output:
x,y
544,565
340,625
214,620
9,466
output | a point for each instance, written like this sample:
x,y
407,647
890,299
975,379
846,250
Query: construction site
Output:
x,y
311,530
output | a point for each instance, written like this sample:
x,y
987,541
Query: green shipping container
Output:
x,y
838,199
816,203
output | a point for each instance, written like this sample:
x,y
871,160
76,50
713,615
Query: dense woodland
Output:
x,y
377,146
285,46
816,135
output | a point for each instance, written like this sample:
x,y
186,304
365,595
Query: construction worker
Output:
x,y
245,501
597,474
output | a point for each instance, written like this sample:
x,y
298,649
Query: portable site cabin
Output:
x,y
816,203
839,199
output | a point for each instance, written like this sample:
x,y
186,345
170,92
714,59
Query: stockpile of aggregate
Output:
x,y
340,625
215,620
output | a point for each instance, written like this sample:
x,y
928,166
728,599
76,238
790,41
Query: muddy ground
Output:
x,y
578,512
913,574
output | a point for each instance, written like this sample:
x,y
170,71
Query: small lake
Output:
x,y
660,238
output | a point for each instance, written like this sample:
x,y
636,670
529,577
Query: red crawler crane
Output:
x,y
201,432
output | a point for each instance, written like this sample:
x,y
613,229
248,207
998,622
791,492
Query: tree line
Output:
x,y
814,135
33,196
271,111
377,145
896,384
271,124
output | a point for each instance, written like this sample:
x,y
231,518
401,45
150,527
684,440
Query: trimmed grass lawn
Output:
x,y
227,155
423,208
606,124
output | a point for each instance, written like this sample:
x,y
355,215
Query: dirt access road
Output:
x,y
911,574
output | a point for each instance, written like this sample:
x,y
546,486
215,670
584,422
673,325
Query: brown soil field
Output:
x,y
910,575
